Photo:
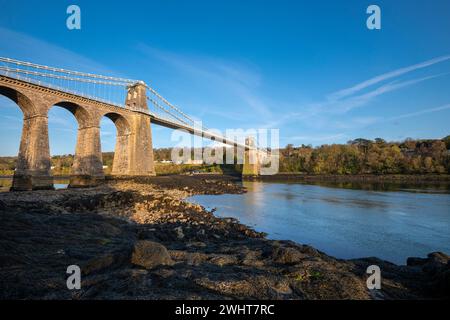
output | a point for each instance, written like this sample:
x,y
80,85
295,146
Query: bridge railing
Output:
x,y
105,89
110,90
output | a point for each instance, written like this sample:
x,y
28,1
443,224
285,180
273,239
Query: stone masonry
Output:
x,y
133,151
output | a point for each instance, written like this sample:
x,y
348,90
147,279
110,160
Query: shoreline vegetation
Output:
x,y
359,157
140,239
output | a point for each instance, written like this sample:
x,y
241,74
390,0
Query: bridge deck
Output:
x,y
154,118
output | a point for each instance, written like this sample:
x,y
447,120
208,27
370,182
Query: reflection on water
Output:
x,y
60,183
6,183
345,222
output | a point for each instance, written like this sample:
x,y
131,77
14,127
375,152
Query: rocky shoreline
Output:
x,y
139,239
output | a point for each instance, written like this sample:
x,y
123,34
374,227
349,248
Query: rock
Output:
x,y
308,250
413,261
196,244
201,232
196,258
282,287
149,254
223,260
105,261
179,232
441,284
286,255
435,263
439,257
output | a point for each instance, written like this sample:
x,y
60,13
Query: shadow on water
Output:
x,y
416,187
58,183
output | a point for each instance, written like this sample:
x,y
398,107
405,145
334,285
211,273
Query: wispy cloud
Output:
x,y
231,78
419,113
345,105
322,113
386,76
17,45
319,138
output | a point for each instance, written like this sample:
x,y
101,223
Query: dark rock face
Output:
x,y
149,254
287,255
142,241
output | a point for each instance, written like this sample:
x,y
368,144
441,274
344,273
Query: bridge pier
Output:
x,y
140,161
121,154
251,165
141,149
87,169
33,162
133,152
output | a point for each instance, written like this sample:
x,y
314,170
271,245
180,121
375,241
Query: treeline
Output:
x,y
362,156
61,164
359,156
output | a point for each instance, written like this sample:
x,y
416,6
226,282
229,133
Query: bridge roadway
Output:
x,y
154,118
133,154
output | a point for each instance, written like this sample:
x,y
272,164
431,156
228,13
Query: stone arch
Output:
x,y
33,160
81,114
121,162
122,123
87,165
25,104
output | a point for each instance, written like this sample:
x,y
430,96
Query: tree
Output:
x,y
447,142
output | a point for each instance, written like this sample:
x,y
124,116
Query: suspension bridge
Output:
x,y
36,88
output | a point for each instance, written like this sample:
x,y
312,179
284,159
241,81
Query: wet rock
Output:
x,y
223,259
414,261
287,255
149,254
439,257
196,258
97,263
179,232
435,263
196,244
282,287
216,258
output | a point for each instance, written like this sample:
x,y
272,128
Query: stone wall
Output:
x,y
134,150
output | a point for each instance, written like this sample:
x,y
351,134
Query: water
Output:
x,y
6,183
342,222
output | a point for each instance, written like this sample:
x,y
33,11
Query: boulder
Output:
x,y
286,255
414,261
149,254
179,232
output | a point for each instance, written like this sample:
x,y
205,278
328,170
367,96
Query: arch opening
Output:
x,y
83,132
20,99
80,113
63,131
11,124
115,141
30,161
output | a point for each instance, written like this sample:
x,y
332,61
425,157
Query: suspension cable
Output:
x,y
156,104
88,75
50,75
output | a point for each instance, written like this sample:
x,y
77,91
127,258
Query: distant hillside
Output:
x,y
359,156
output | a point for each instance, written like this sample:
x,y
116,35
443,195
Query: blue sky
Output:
x,y
311,69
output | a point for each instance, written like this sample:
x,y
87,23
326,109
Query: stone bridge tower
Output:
x,y
141,147
251,165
